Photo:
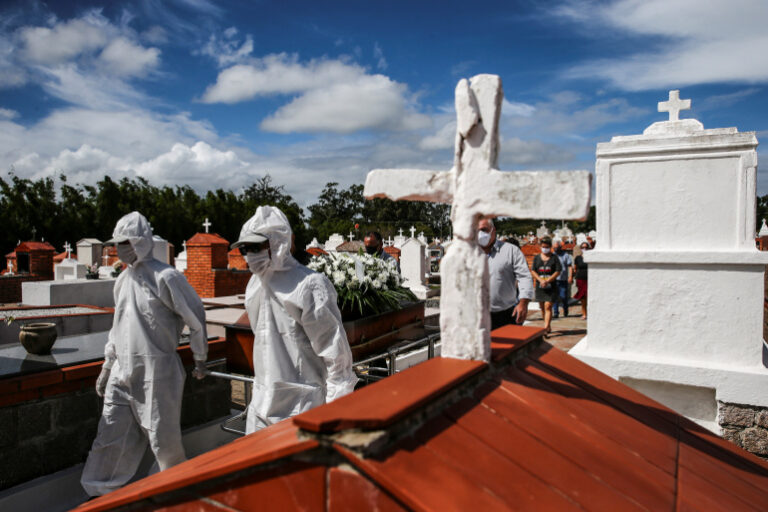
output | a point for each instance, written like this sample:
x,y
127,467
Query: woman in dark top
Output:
x,y
580,271
545,269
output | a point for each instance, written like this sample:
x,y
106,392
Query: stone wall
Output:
x,y
207,267
745,426
48,420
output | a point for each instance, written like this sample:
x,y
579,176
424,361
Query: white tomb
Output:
x,y
333,242
542,231
413,266
763,230
314,243
676,283
475,188
400,239
69,268
89,251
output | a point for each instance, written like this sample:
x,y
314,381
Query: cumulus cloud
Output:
x,y
690,42
7,113
65,41
333,95
126,58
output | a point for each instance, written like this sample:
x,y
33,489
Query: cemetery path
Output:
x,y
566,331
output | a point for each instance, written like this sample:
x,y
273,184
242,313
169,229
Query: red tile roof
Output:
x,y
207,239
535,430
35,246
316,251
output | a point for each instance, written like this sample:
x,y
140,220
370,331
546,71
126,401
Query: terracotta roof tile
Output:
x,y
383,403
316,251
207,239
35,246
536,430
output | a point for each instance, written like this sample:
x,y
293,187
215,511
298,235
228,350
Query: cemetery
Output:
x,y
387,347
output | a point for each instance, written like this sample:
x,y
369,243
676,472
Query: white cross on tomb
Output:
x,y
351,236
105,259
674,105
67,248
413,229
399,231
476,188
206,224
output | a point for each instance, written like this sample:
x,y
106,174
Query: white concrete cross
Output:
x,y
67,248
475,188
105,259
674,105
399,231
184,245
389,240
206,224
413,229
351,236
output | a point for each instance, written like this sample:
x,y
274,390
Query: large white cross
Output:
x,y
674,105
476,188
67,248
206,224
351,236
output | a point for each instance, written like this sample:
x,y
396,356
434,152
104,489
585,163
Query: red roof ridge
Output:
x,y
207,239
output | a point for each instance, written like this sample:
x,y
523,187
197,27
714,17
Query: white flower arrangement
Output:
x,y
363,282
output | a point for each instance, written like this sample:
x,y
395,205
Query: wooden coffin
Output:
x,y
367,336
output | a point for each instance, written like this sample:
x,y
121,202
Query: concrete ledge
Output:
x,y
95,292
745,257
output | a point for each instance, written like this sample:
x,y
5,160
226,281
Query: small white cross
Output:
x,y
674,105
184,244
67,248
413,231
400,232
206,224
351,236
105,259
389,241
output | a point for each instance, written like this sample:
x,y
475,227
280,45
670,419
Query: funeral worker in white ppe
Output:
x,y
301,357
142,379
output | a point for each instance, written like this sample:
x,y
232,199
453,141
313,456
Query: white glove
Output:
x,y
200,370
101,382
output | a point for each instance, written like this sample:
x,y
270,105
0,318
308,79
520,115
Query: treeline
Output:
x,y
63,212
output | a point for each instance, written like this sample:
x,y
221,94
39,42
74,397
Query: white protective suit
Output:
x,y
142,401
301,356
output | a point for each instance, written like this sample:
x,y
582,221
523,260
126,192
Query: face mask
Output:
x,y
545,250
126,253
483,238
371,249
258,262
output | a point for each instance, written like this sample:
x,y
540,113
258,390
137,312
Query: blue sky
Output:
x,y
214,94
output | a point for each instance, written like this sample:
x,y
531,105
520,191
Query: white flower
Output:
x,y
376,284
339,278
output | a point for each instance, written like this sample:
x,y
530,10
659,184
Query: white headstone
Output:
x,y
89,251
333,242
314,243
69,268
763,230
593,234
413,267
180,261
542,231
476,188
676,283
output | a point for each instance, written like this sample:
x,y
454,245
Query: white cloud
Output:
x,y
333,95
192,165
378,54
696,42
513,108
125,58
444,138
6,113
65,41
227,50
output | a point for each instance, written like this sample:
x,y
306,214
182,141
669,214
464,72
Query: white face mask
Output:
x,y
545,250
483,238
258,262
126,253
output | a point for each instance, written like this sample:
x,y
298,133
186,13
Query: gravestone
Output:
x,y
542,231
676,283
89,251
413,267
333,242
475,188
763,230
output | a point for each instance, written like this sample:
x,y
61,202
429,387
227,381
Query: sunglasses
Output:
x,y
252,248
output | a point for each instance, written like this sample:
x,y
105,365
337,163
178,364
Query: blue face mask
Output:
x,y
545,250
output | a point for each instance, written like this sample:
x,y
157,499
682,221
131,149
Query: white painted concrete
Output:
x,y
676,283
94,292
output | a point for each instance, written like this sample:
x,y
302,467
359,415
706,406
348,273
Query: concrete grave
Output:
x,y
69,268
413,267
93,292
475,187
89,251
333,242
676,283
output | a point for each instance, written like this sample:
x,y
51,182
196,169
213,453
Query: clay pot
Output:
x,y
38,338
